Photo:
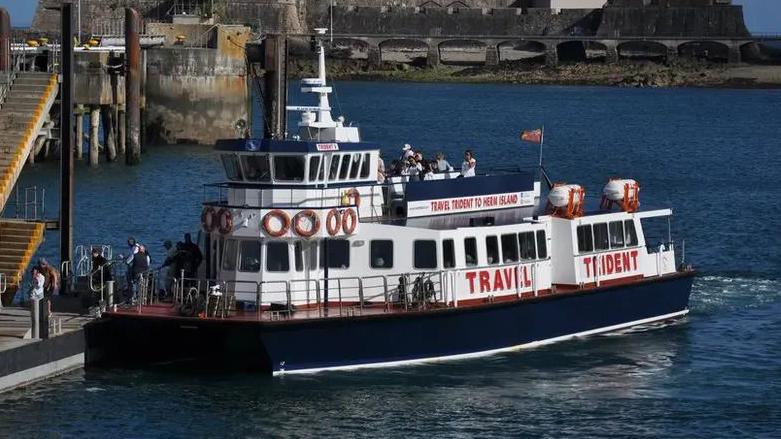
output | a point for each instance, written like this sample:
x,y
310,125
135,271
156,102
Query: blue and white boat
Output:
x,y
313,261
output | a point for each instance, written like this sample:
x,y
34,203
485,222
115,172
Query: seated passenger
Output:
x,y
428,170
469,164
442,164
413,169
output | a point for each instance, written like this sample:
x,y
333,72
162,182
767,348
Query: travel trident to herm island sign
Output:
x,y
444,206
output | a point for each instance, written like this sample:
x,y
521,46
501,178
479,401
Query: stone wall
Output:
x,y
717,21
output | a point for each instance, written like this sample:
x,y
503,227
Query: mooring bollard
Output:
x,y
34,315
109,294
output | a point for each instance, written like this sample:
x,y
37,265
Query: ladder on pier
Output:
x,y
27,100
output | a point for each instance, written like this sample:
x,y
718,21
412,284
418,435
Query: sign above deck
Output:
x,y
290,146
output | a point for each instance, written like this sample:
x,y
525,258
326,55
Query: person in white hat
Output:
x,y
406,152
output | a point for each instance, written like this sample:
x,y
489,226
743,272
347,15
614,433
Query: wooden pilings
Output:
x,y
94,126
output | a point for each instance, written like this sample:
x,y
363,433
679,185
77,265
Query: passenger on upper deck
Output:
x,y
429,169
380,169
442,164
406,152
469,165
413,169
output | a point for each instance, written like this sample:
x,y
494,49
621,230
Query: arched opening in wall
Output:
x,y
758,53
571,51
404,51
349,48
457,4
595,51
704,51
522,50
462,52
642,50
430,4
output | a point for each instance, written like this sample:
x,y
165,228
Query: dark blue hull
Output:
x,y
387,339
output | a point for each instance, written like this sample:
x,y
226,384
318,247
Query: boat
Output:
x,y
314,261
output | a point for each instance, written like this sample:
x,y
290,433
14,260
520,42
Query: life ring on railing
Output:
x,y
349,221
313,217
352,197
333,222
225,221
282,216
207,219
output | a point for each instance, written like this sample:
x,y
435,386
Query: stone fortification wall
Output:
x,y
716,21
465,22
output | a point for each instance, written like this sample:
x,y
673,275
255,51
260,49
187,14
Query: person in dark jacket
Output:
x,y
194,255
99,263
138,267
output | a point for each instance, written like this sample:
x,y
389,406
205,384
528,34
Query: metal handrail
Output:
x,y
3,287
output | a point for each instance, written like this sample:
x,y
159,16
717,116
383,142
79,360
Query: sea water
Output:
x,y
714,156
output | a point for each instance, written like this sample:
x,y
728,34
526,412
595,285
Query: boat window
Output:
x,y
542,245
355,167
631,233
256,167
334,166
492,249
425,255
314,166
585,242
381,253
345,167
249,261
338,254
616,234
365,166
470,251
277,258
448,253
289,168
509,248
600,237
231,164
298,254
229,255
526,242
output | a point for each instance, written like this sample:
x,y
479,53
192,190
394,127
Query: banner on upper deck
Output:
x,y
445,206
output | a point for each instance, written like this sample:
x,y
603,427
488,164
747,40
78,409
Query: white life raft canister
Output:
x,y
615,189
559,196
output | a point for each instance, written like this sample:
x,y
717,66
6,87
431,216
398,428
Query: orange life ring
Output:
x,y
353,221
226,221
331,226
313,217
355,196
283,216
207,219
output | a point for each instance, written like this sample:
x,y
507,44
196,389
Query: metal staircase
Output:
x,y
27,98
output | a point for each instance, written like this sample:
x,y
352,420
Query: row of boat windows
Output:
x,y
293,168
606,236
245,255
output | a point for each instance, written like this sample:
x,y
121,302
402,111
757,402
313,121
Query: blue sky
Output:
x,y
761,15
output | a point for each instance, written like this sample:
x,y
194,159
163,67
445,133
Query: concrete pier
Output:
x,y
94,126
78,146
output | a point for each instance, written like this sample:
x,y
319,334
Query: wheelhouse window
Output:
x,y
425,254
344,167
338,254
365,166
314,167
509,248
601,240
289,168
381,253
249,259
256,167
631,233
334,171
492,249
616,234
585,241
277,259
355,166
470,251
448,253
526,243
231,164
229,255
542,245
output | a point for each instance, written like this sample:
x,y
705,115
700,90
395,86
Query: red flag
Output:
x,y
533,136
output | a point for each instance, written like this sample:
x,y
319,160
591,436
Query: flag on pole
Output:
x,y
533,136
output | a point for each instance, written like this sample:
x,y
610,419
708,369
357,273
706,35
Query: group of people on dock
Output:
x,y
412,163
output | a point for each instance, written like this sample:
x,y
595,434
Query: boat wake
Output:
x,y
719,293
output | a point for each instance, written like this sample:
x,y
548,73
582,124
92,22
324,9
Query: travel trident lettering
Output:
x,y
611,263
